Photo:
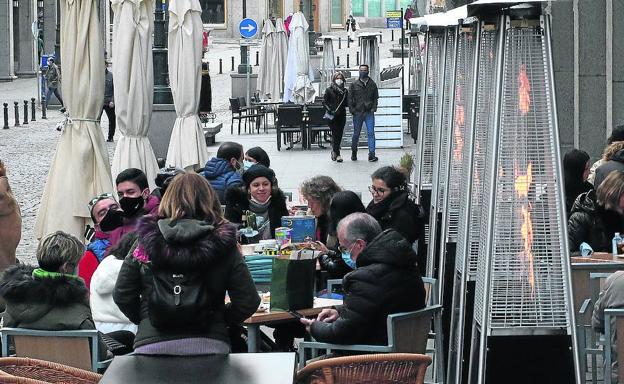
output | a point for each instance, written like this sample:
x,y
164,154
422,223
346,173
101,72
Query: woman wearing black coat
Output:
x,y
597,215
393,207
260,196
335,103
575,171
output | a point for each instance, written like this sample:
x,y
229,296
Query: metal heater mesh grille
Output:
x,y
484,117
461,125
527,287
447,108
435,42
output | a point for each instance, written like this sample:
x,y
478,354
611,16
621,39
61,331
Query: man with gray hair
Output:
x,y
385,280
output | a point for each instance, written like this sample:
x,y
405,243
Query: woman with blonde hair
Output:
x,y
173,284
597,215
335,103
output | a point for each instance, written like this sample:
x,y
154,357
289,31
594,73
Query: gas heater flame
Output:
x,y
524,91
459,141
522,185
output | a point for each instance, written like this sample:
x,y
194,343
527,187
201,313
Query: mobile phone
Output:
x,y
296,314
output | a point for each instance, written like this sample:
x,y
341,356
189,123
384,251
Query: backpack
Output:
x,y
179,300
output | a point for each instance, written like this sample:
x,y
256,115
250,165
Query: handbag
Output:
x,y
331,116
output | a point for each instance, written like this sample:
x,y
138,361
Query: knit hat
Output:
x,y
255,171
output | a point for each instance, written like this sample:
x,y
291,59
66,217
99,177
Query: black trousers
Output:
x,y
337,129
110,113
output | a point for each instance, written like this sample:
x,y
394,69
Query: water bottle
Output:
x,y
617,240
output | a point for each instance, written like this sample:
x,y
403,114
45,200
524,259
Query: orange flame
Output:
x,y
524,91
522,185
459,141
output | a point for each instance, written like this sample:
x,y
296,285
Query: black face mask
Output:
x,y
112,220
131,205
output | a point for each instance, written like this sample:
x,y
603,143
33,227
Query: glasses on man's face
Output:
x,y
348,249
378,191
99,198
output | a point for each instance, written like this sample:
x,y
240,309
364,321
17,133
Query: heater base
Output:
x,y
529,359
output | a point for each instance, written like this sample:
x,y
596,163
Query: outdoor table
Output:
x,y
269,107
583,266
267,318
235,368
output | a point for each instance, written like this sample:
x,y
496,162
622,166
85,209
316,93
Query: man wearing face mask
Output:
x,y
224,171
385,281
107,216
363,96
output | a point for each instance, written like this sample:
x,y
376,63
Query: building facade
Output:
x,y
21,37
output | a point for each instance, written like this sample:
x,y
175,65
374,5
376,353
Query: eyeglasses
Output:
x,y
98,198
342,249
374,190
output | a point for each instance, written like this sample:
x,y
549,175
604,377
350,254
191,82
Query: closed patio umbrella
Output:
x,y
268,83
298,71
281,55
369,54
133,72
187,147
80,167
328,65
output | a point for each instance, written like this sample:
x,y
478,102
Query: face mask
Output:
x,y
339,82
363,74
346,257
112,220
247,164
131,205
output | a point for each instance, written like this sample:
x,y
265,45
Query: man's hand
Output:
x,y
328,315
307,323
2,169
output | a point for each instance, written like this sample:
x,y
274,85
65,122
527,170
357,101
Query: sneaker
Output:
x,y
62,110
339,159
109,140
333,156
353,157
372,158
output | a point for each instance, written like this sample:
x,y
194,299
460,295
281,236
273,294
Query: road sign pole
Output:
x,y
402,54
248,84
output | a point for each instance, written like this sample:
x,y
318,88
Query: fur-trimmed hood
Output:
x,y
186,244
614,151
29,298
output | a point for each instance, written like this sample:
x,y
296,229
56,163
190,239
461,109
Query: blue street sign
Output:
x,y
248,28
394,22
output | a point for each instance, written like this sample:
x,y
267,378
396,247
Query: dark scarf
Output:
x,y
378,210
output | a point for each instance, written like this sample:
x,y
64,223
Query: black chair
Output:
x,y
239,113
317,127
255,112
288,123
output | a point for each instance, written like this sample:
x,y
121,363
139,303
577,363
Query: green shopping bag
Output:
x,y
292,284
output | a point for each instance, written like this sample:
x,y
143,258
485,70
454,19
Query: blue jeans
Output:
x,y
358,120
56,93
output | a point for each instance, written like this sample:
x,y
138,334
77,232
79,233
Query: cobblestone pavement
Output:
x,y
29,149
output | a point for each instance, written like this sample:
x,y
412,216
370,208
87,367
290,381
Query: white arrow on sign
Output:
x,y
249,27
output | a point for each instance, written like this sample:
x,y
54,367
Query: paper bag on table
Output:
x,y
292,283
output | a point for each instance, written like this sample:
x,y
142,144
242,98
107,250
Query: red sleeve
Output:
x,y
87,266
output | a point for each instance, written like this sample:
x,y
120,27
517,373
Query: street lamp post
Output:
x,y
162,91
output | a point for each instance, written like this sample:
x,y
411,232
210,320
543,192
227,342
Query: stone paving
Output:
x,y
28,150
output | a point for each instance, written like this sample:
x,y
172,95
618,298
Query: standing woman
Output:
x,y
351,26
335,101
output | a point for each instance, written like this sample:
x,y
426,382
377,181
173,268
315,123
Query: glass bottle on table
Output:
x,y
617,245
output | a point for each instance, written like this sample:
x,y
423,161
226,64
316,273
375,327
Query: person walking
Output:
x,y
351,26
53,81
363,96
335,103
109,103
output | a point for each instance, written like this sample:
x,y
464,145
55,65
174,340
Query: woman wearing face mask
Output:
x,y
260,196
335,102
256,155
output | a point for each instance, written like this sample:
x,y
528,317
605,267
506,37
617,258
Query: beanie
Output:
x,y
258,170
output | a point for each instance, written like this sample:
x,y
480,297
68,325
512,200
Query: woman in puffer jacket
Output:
x,y
597,215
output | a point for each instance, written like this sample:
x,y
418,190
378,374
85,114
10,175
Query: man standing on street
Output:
x,y
53,79
363,95
109,103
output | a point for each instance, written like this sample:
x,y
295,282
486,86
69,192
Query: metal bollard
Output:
x,y
357,58
338,61
257,58
380,37
232,63
348,42
25,112
32,109
392,35
6,116
340,43
16,111
43,108
348,66
220,66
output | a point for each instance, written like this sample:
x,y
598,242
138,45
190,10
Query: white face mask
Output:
x,y
339,82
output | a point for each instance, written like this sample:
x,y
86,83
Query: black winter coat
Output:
x,y
591,223
237,202
336,100
386,281
363,96
180,247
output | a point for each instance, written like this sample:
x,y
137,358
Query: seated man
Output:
x,y
222,172
612,298
385,281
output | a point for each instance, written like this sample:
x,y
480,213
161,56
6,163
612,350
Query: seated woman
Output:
x,y
189,243
259,196
318,191
256,155
575,172
597,215
394,208
342,204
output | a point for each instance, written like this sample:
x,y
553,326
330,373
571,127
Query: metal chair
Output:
x,y
289,123
239,113
380,369
254,112
316,125
76,348
614,323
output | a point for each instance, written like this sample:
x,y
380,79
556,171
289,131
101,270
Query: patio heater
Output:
x,y
369,54
479,119
523,328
